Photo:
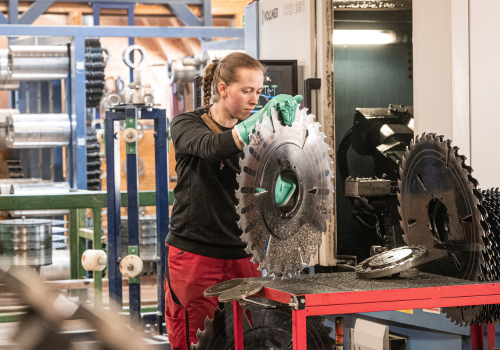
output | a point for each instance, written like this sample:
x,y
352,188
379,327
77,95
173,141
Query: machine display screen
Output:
x,y
272,87
280,78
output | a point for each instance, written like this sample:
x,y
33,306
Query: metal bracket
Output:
x,y
131,146
299,302
266,306
309,85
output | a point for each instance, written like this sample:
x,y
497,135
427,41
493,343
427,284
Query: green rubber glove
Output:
x,y
286,104
283,191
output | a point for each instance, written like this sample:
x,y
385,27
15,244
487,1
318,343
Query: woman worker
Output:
x,y
203,245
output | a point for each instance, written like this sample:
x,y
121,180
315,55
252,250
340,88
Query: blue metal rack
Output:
x,y
195,28
132,114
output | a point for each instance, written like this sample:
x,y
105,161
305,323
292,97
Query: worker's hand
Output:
x,y
286,104
283,191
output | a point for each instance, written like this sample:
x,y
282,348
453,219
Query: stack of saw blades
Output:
x,y
27,242
262,329
484,314
94,72
93,161
442,209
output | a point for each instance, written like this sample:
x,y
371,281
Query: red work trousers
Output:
x,y
188,276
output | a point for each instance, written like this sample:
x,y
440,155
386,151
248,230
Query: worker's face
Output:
x,y
241,97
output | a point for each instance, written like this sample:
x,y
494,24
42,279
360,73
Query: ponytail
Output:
x,y
208,79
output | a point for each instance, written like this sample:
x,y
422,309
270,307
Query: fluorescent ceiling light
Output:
x,y
363,37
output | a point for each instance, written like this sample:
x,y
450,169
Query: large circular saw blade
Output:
x,y
283,239
441,209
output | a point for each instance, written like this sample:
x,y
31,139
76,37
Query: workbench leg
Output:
x,y
491,336
238,326
476,337
299,330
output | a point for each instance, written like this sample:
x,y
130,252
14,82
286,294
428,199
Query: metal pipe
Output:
x,y
32,63
41,188
38,130
38,213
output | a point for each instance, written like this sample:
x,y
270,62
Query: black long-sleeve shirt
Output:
x,y
204,217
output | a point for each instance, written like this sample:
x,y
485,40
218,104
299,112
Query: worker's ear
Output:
x,y
222,88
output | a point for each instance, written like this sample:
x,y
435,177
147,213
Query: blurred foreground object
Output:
x,y
40,328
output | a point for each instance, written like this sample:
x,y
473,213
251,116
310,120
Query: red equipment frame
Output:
x,y
376,300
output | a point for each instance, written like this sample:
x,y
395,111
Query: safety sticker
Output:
x,y
433,310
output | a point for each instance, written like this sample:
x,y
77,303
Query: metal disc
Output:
x,y
220,288
284,239
239,292
30,245
59,245
391,262
441,209
57,238
39,257
58,222
58,230
26,222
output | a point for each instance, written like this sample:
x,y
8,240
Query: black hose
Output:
x,y
342,162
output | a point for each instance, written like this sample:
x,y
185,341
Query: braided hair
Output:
x,y
225,70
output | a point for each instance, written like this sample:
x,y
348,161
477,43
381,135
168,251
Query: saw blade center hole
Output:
x,y
291,202
439,220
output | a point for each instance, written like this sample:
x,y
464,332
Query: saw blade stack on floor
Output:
x,y
442,209
262,329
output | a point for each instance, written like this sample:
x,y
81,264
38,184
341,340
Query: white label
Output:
x,y
80,65
81,141
432,310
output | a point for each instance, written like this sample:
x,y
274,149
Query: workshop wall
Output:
x,y
365,76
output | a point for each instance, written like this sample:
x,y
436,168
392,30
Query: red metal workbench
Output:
x,y
343,293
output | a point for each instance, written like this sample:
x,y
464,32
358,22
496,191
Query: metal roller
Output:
x,y
41,188
28,242
38,130
32,63
184,70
